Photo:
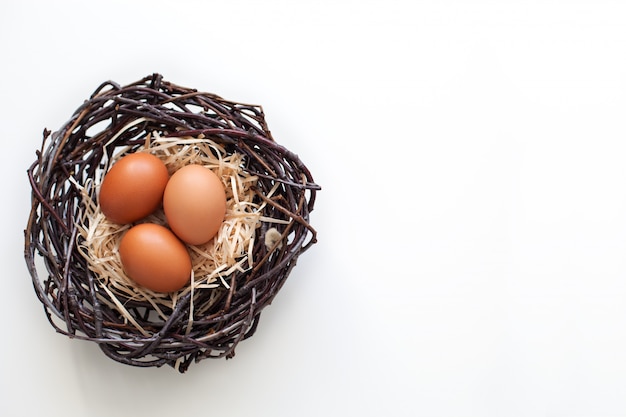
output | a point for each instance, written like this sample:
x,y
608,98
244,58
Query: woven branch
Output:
x,y
118,119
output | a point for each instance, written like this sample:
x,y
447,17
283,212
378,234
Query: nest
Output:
x,y
70,249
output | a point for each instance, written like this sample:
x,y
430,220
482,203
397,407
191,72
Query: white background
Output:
x,y
472,223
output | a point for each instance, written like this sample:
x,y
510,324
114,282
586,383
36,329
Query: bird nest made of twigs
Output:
x,y
71,248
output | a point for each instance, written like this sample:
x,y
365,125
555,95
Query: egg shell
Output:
x,y
194,203
133,188
155,258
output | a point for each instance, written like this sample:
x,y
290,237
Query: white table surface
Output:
x,y
472,223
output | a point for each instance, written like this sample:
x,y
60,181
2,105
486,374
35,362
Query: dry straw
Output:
x,y
71,249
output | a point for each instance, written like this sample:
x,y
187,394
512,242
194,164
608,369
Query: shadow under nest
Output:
x,y
206,322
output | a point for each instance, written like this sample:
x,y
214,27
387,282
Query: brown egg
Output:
x,y
133,187
194,203
154,258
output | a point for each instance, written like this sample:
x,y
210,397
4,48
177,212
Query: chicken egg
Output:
x,y
155,258
133,187
194,203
